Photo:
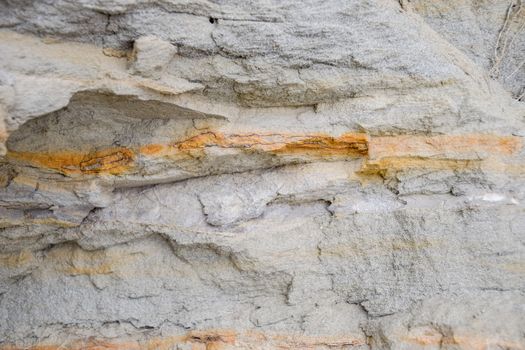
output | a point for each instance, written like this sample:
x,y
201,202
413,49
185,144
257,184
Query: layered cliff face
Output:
x,y
262,175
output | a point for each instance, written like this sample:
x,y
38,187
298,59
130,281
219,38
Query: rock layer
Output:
x,y
262,175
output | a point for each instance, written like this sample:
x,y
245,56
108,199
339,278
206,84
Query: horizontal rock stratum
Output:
x,y
262,174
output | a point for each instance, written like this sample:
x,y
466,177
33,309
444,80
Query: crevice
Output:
x,y
503,42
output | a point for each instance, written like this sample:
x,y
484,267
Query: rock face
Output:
x,y
193,174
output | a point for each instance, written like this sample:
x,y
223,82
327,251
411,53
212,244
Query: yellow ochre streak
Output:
x,y
381,153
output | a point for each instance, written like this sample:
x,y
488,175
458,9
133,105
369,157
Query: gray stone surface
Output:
x,y
262,175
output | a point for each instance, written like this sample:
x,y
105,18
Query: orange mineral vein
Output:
x,y
231,339
405,151
211,340
111,161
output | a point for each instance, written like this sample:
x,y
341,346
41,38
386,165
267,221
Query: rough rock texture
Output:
x,y
194,174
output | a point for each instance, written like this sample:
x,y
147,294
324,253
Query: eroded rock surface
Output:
x,y
262,175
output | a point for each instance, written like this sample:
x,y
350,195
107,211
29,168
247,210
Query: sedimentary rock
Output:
x,y
262,175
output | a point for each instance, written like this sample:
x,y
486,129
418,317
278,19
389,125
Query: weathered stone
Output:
x,y
151,55
262,175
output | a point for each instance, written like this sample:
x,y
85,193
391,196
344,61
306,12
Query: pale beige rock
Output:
x,y
151,55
